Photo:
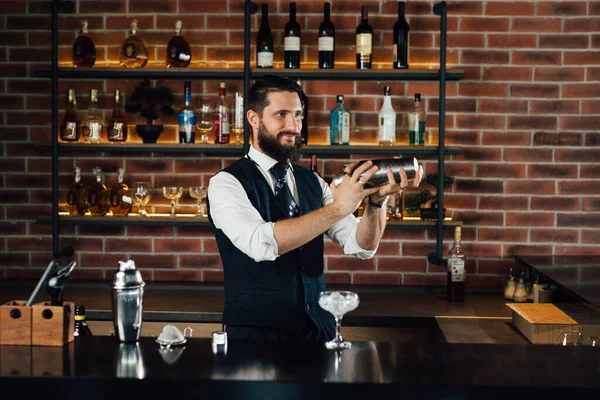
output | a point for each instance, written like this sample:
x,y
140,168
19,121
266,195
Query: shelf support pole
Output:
x,y
54,130
249,8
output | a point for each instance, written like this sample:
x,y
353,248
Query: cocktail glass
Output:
x,y
204,118
172,193
199,193
141,197
569,337
338,304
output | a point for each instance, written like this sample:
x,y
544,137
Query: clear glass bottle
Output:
x,y
91,128
387,120
84,50
98,202
134,51
81,326
222,117
187,116
416,123
237,126
264,41
339,123
121,201
456,275
364,41
76,198
116,131
179,52
291,43
400,47
69,127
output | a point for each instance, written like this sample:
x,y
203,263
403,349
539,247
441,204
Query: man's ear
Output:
x,y
253,119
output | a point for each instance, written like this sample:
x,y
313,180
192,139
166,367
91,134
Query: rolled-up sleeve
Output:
x,y
233,213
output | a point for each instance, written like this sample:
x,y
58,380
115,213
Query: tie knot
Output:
x,y
279,170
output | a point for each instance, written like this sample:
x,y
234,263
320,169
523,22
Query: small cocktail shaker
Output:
x,y
410,166
128,302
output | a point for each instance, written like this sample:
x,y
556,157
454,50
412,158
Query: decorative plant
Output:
x,y
413,204
150,102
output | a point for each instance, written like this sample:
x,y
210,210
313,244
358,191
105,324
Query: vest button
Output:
x,y
308,306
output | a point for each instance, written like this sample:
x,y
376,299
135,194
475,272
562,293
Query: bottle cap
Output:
x,y
340,98
222,85
387,91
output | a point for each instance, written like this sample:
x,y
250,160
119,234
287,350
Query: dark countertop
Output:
x,y
98,367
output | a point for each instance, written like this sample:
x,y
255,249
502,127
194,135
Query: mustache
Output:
x,y
280,134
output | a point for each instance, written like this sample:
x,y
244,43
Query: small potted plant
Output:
x,y
425,202
150,102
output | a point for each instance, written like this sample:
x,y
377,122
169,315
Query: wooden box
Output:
x,y
52,325
15,323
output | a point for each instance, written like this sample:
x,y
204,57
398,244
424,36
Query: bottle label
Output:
x,y
114,199
291,43
69,132
129,50
115,132
326,43
265,59
126,199
395,52
345,128
187,121
456,267
387,129
364,43
92,132
239,112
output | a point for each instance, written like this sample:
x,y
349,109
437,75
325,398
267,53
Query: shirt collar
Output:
x,y
264,161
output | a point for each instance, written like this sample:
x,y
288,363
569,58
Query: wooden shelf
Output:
x,y
374,149
203,221
339,74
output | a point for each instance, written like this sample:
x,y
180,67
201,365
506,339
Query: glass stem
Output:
x,y
338,329
172,207
199,202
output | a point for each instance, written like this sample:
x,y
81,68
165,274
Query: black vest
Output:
x,y
274,294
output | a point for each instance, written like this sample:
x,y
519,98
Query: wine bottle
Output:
x,y
179,53
264,41
81,326
304,130
416,123
339,120
387,120
187,117
291,42
326,40
456,276
121,201
69,127
77,196
98,202
134,50
91,129
84,50
401,30
117,127
313,165
364,41
222,117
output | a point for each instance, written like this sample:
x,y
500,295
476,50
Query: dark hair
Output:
x,y
258,93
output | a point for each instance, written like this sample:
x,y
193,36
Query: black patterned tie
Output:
x,y
282,190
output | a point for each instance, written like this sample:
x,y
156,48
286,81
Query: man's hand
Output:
x,y
350,192
394,187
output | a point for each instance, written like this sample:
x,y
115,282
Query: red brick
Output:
x,y
434,280
579,187
177,276
176,246
577,155
518,8
552,171
555,235
200,261
561,9
527,187
14,259
576,90
534,90
102,260
578,220
590,236
459,40
27,86
72,22
13,228
577,251
589,106
337,278
90,275
555,203
522,122
554,107
501,170
92,230
507,73
536,25
482,24
506,138
462,138
578,123
106,6
502,106
536,57
582,58
529,219
591,204
376,279
589,171
528,154
503,203
502,235
480,122
400,234
496,266
592,139
526,250
479,153
401,264
24,273
564,41
134,245
582,25
484,57
349,264
194,231
13,71
212,276
511,41
27,23
144,6
479,218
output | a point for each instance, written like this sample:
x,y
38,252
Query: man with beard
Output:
x,y
269,216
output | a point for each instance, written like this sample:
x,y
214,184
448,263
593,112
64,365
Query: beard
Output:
x,y
271,146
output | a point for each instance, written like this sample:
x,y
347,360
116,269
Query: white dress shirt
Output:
x,y
233,213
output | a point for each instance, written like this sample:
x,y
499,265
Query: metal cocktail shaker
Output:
x,y
410,166
128,302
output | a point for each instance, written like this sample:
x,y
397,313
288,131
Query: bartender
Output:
x,y
269,216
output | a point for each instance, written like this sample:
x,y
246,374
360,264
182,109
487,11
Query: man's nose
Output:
x,y
293,123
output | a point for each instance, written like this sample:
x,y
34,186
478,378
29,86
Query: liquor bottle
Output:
x,y
98,202
237,126
179,53
364,41
76,198
187,117
84,50
313,165
401,30
339,119
134,51
264,41
81,326
117,127
121,201
221,119
69,127
416,123
387,120
456,270
326,40
91,128
304,101
291,42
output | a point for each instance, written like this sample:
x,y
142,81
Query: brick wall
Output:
x,y
526,115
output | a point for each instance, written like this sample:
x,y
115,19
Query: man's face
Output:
x,y
280,125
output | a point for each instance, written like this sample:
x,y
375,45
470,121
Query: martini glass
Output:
x,y
199,193
141,197
172,193
338,304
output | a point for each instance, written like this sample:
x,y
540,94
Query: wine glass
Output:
x,y
593,341
172,193
141,197
199,193
338,304
569,337
204,118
